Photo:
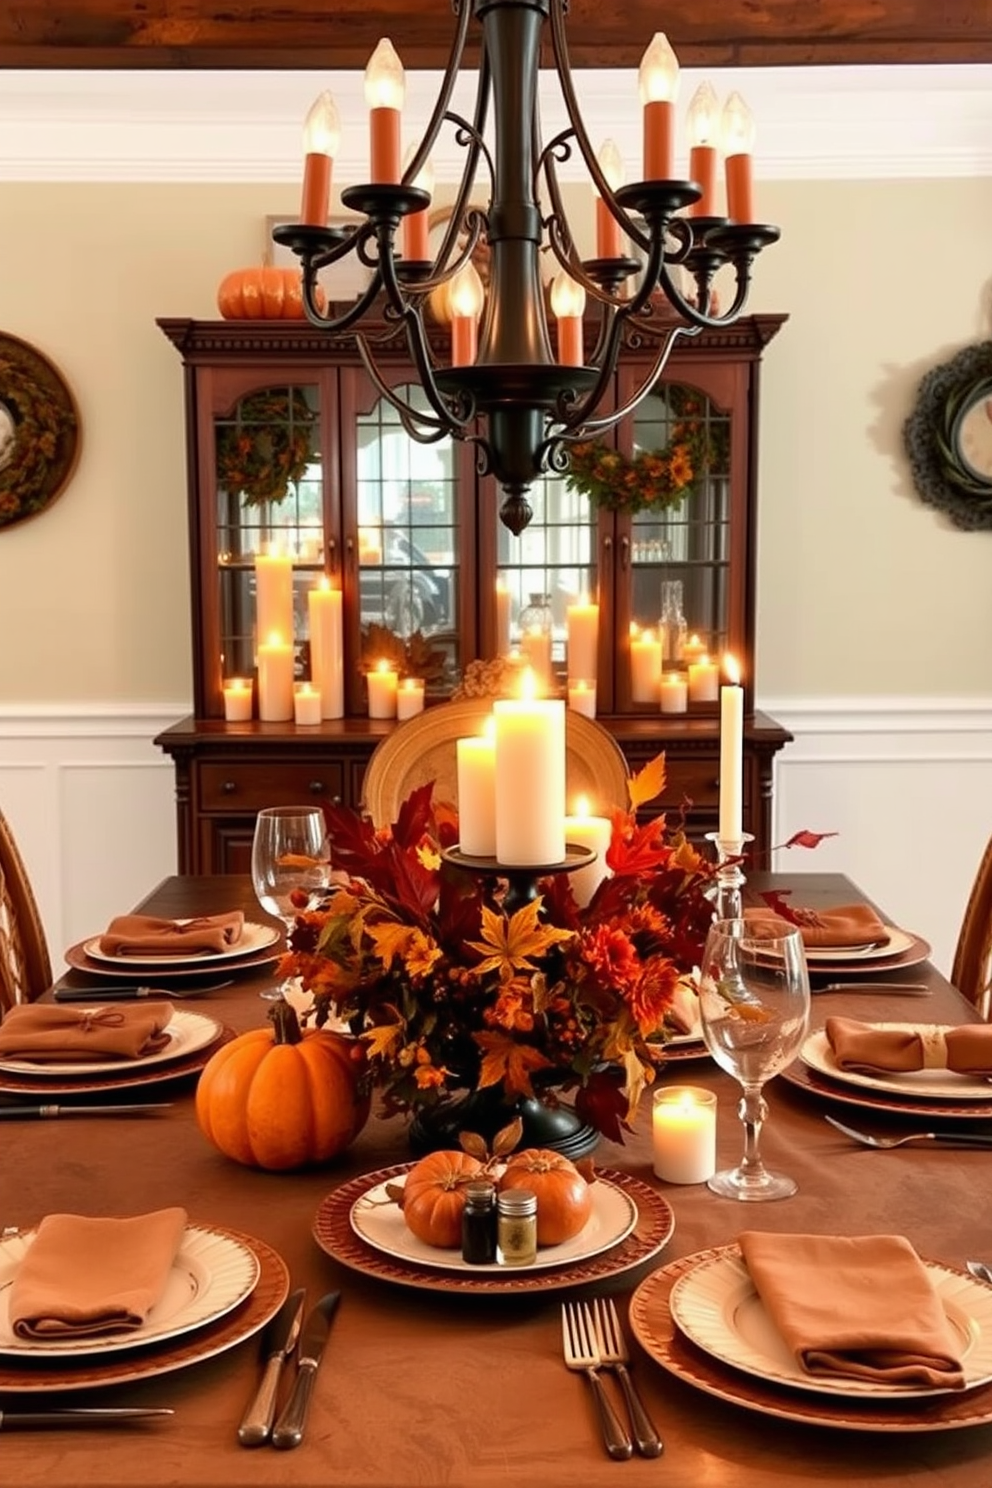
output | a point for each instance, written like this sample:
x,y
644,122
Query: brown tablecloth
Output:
x,y
449,1391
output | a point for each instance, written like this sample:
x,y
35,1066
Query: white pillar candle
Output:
x,y
704,681
273,595
410,698
327,647
588,831
383,684
731,755
502,618
684,1133
477,793
645,666
582,697
583,638
535,645
306,704
237,700
530,780
275,680
674,693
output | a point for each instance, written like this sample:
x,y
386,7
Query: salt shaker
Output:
x,y
516,1228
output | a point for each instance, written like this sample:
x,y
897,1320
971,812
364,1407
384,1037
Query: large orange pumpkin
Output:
x,y
564,1198
434,1197
270,292
279,1098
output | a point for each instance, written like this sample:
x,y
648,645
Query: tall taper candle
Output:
x,y
327,647
731,754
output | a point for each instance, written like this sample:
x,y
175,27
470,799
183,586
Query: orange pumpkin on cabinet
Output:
x,y
269,292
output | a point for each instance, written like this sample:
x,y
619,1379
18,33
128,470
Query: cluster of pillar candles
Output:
x,y
713,131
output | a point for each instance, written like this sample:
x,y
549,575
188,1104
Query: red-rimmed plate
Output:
x,y
332,1229
860,966
43,1087
165,970
804,1078
654,1328
270,1291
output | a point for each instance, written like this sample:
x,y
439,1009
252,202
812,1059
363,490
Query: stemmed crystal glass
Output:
x,y
290,863
754,1010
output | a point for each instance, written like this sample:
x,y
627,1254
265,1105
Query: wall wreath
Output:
x,y
39,432
268,448
948,438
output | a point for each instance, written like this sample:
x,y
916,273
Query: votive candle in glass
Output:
x,y
238,699
683,1133
410,698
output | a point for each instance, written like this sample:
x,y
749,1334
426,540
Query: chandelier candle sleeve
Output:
x,y
645,666
275,680
383,684
237,700
737,128
385,87
593,832
409,698
465,300
530,780
702,124
582,620
327,647
321,136
684,1134
582,697
306,704
658,83
731,755
273,594
476,764
608,237
416,225
568,303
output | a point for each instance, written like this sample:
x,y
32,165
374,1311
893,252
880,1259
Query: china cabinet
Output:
x,y
290,447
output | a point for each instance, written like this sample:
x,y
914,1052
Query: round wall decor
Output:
x,y
948,438
39,431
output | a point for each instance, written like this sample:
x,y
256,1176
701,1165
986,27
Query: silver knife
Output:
x,y
84,1416
53,1110
277,1345
872,987
289,1427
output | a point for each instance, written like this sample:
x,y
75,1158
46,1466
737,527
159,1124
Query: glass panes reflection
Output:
x,y
552,563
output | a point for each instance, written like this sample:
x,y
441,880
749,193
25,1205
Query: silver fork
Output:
x,y
582,1354
614,1354
939,1139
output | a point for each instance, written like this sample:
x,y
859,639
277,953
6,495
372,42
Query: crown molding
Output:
x,y
814,123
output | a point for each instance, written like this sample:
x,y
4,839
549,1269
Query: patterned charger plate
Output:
x,y
333,1232
44,1087
804,1078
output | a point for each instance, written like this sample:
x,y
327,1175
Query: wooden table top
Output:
x,y
452,1391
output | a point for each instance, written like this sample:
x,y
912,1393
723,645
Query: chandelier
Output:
x,y
521,403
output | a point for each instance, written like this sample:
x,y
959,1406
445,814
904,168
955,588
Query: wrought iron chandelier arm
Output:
x,y
343,322
419,425
672,333
463,10
471,135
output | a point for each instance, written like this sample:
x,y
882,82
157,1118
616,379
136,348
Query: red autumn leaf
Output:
x,y
416,816
352,838
638,849
602,1103
807,839
778,900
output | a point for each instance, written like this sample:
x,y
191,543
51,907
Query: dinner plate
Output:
x,y
927,1084
653,1326
187,1033
804,1078
896,943
717,1307
332,1229
253,938
828,963
211,1274
378,1220
123,1077
42,1376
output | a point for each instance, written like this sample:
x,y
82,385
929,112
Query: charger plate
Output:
x,y
188,1033
166,970
926,1084
804,1078
211,1274
654,1328
44,1087
717,1306
332,1229
40,1377
836,963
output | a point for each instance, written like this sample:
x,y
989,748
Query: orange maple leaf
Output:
x,y
509,1062
509,944
384,1040
647,783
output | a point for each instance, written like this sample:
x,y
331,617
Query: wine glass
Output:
x,y
290,862
754,1010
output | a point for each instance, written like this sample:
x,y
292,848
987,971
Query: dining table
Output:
x,y
437,1387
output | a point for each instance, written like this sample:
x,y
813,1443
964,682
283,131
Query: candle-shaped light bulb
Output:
x,y
610,162
321,137
465,300
702,123
658,84
737,138
385,89
416,228
568,304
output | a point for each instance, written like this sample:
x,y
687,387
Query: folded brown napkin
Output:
x,y
48,1033
866,1050
847,926
855,1307
83,1277
146,935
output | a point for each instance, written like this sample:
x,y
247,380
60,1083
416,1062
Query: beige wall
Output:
x,y
864,590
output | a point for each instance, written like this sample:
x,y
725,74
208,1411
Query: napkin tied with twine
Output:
x,y
148,935
847,926
855,1307
83,1277
47,1033
867,1050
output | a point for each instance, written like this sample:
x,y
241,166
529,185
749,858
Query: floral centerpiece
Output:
x,y
450,990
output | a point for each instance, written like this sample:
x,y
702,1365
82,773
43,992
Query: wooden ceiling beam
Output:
x,y
336,34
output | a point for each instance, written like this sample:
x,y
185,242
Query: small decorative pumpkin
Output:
x,y
564,1197
269,292
280,1098
434,1197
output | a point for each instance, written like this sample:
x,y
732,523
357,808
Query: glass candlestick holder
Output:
x,y
730,877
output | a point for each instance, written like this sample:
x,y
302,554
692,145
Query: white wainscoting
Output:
x,y
906,784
